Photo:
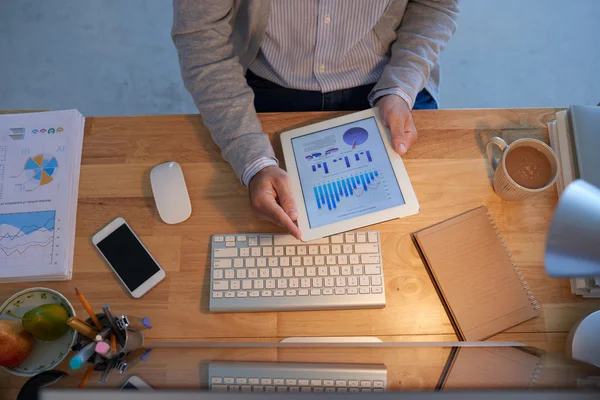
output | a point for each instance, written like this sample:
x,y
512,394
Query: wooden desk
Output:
x,y
448,170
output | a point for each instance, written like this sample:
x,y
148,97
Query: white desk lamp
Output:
x,y
573,250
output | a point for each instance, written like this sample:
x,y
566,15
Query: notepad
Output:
x,y
471,368
476,277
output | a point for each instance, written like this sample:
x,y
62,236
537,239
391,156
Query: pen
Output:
x,y
113,343
89,310
82,355
113,324
81,327
109,367
86,376
135,323
103,335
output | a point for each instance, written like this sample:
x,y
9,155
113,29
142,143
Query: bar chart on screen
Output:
x,y
347,192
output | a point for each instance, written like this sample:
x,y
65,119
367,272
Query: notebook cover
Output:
x,y
475,276
490,368
586,131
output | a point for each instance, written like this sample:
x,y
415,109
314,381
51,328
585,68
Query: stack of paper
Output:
x,y
40,157
575,138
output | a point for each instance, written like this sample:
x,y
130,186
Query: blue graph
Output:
x,y
355,136
27,233
330,194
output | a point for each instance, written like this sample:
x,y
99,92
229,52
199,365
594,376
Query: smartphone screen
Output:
x,y
128,257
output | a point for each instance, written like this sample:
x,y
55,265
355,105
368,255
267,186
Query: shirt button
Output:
x,y
327,19
322,68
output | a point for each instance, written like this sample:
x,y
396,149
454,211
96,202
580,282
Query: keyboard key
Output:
x,y
246,388
329,389
229,274
252,273
258,284
324,250
254,293
230,238
258,388
366,248
241,238
353,383
331,260
307,260
250,262
302,292
290,292
364,280
285,240
336,249
299,271
278,381
372,269
244,252
269,389
327,291
315,292
216,379
364,290
242,294
270,283
281,284
313,250
218,239
369,259
273,261
252,241
349,236
238,263
218,274
328,382
294,389
305,282
346,270
329,282
266,293
352,281
334,271
284,261
291,382
305,389
294,283
376,290
246,284
340,281
266,381
354,259
229,244
340,291
319,260
240,274
318,389
253,381
322,271
316,382
303,382
267,251
278,251
241,381
229,380
340,382
352,290
235,285
261,262
347,249
218,388
311,271
229,295
224,263
255,252
365,383
276,272
278,293
296,261
361,237
290,251
357,269
378,384
266,240
263,272
282,389
217,295
372,236
301,250
342,259
317,282
337,239
220,285
288,272
376,280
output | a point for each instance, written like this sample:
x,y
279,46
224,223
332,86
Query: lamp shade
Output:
x,y
573,246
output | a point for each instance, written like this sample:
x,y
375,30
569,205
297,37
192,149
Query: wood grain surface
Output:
x,y
447,167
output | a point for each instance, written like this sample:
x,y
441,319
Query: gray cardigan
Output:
x,y
218,39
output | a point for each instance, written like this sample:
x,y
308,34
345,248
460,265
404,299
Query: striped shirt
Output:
x,y
321,45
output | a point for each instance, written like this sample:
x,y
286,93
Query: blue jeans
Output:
x,y
270,97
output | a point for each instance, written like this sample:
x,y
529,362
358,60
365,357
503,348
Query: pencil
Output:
x,y
113,343
89,310
86,376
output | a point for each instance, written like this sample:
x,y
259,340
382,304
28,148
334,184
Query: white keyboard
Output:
x,y
252,272
296,377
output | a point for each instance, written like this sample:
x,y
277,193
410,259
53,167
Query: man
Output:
x,y
242,56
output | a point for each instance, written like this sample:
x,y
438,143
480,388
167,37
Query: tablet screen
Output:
x,y
345,172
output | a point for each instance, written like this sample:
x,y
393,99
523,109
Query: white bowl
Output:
x,y
45,355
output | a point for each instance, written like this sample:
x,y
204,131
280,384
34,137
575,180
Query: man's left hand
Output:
x,y
395,113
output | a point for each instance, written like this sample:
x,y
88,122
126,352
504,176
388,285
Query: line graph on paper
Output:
x,y
27,238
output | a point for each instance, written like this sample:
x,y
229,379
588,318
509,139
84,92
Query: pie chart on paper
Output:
x,y
41,168
355,136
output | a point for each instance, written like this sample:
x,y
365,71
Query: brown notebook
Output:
x,y
471,368
475,275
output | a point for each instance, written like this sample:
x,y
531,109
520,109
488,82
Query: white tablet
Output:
x,y
345,175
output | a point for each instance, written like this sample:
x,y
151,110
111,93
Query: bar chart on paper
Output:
x,y
346,191
27,237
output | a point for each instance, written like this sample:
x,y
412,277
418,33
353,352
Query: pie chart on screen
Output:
x,y
41,168
355,136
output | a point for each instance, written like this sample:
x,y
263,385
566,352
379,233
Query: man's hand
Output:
x,y
271,199
395,113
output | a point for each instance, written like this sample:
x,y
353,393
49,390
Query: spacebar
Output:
x,y
289,240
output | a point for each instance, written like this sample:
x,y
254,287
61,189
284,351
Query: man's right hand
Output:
x,y
271,199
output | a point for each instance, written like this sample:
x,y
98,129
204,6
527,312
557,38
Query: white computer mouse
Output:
x,y
170,193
